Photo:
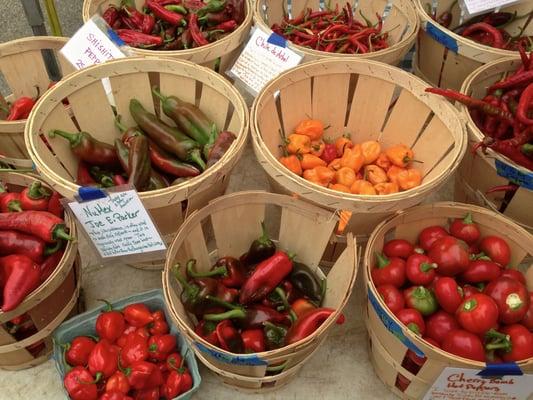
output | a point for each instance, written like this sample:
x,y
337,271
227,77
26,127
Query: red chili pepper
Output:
x,y
110,324
228,337
267,275
197,36
10,202
54,205
503,188
35,197
159,346
170,165
21,276
511,149
514,81
80,384
84,146
495,35
41,224
139,39
147,394
162,13
103,359
50,264
137,315
206,330
525,103
13,242
84,177
148,24
307,324
139,373
20,109
77,352
111,16
226,26
254,340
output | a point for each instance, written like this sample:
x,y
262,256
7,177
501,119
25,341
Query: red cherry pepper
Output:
x,y
513,274
421,299
138,315
477,314
103,359
139,373
267,275
439,325
35,197
481,271
430,235
50,264
20,109
413,320
110,324
464,344
135,349
159,346
80,384
307,324
253,340
515,342
10,202
450,255
419,269
206,330
13,242
390,271
527,321
54,205
42,224
392,297
398,248
496,249
20,276
465,229
511,297
118,382
78,351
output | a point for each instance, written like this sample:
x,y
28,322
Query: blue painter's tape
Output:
x,y
277,40
392,325
524,179
501,370
250,359
88,193
441,37
115,38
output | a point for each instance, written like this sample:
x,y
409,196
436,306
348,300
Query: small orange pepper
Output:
x,y
312,128
317,147
298,144
387,188
353,158
310,161
409,178
375,175
320,175
393,173
302,306
342,143
292,163
335,164
361,186
345,176
371,150
400,155
340,188
383,161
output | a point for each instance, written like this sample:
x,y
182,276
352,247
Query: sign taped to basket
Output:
x,y
475,7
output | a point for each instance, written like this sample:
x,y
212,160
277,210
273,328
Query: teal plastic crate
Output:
x,y
84,324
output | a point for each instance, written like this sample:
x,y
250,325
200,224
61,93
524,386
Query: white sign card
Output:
x,y
262,61
118,225
466,384
474,7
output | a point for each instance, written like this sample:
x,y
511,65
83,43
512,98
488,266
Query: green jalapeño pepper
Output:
x,y
421,299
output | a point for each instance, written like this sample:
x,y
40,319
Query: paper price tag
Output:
x,y
263,59
474,7
467,384
118,225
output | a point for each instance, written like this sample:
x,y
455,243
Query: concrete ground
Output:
x,y
340,369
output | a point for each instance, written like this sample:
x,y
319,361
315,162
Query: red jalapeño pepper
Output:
x,y
307,324
80,384
110,324
77,352
137,315
103,359
42,224
21,276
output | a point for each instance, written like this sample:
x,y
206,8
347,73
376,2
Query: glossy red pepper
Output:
x,y
42,224
206,330
307,324
388,271
20,109
50,264
481,271
84,177
496,38
253,340
449,295
413,320
158,327
139,373
77,352
174,361
137,315
118,382
103,359
35,197
235,275
162,13
514,342
194,29
13,242
54,205
419,269
20,276
511,297
159,346
80,384
114,395
135,349
10,202
110,324
450,255
147,394
178,382
88,149
464,344
228,337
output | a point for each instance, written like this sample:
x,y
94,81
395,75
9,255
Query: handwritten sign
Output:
x,y
466,384
263,60
474,7
92,44
118,225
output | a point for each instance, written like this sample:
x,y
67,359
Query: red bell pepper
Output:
x,y
178,382
159,346
103,359
20,276
35,197
135,349
307,324
77,352
110,324
80,384
137,315
10,202
254,340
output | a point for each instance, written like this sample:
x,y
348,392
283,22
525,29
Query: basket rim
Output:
x,y
413,24
229,201
60,272
96,72
224,42
425,18
260,146
369,284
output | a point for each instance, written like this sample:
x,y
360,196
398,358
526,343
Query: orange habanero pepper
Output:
x,y
317,147
387,188
320,175
292,163
312,128
310,161
371,150
383,161
375,175
393,173
335,164
298,144
361,186
409,178
342,143
353,158
340,188
400,155
345,176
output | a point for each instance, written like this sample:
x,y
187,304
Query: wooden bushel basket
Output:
x,y
226,49
401,22
48,305
91,111
387,351
22,64
370,101
444,58
296,226
478,173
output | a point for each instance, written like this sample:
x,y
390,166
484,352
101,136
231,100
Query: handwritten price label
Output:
x,y
466,384
118,225
261,61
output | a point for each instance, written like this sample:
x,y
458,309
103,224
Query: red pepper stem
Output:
x,y
73,138
109,307
239,314
216,300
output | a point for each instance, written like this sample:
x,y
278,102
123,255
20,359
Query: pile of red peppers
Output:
x,y
133,357
151,155
504,115
334,31
261,301
175,24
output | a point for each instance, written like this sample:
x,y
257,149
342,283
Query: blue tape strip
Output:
x,y
392,325
88,193
251,359
524,179
501,370
441,37
277,40
115,38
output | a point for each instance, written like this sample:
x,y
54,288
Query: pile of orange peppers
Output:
x,y
357,168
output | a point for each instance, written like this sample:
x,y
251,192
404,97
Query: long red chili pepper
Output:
x,y
50,264
162,13
54,205
503,188
525,103
139,39
13,242
514,81
495,35
307,324
20,109
197,36
41,224
21,276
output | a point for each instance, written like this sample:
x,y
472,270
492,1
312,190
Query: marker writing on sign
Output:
x,y
278,52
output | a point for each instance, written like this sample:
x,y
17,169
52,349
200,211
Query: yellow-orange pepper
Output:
x,y
320,175
345,176
361,186
335,164
393,173
342,143
317,147
387,188
371,150
383,161
298,144
312,128
310,161
409,178
292,163
340,188
353,158
375,175
400,155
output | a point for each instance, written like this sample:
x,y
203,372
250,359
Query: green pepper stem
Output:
x,y
14,206
468,219
73,138
107,181
239,314
223,303
196,157
37,192
176,8
60,233
277,368
54,249
527,149
121,127
425,267
413,328
157,93
183,282
264,239
382,260
109,307
191,271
